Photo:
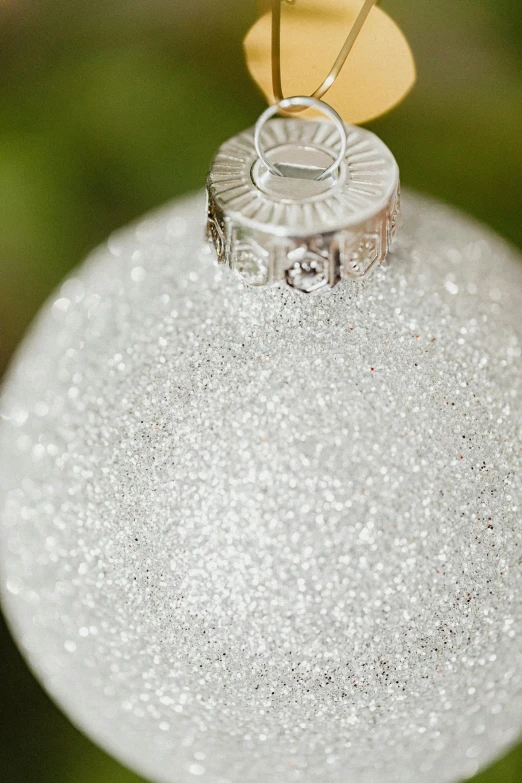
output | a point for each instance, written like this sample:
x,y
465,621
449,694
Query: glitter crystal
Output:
x,y
255,535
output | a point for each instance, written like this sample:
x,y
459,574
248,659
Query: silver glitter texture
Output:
x,y
249,535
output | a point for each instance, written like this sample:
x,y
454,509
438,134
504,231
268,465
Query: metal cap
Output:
x,y
289,222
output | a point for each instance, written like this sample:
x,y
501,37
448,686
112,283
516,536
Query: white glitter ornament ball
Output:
x,y
259,536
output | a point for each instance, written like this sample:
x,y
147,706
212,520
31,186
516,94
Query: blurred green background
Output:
x,y
110,107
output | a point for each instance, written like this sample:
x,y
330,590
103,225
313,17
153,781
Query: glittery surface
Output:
x,y
255,536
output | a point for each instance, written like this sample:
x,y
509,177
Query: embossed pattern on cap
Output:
x,y
351,216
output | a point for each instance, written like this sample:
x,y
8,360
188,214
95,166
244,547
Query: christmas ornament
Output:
x,y
258,535
253,534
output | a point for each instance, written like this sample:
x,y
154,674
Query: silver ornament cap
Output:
x,y
308,203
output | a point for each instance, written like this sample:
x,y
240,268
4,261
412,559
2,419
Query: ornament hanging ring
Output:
x,y
303,101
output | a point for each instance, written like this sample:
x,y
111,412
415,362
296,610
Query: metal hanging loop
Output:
x,y
338,64
302,102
